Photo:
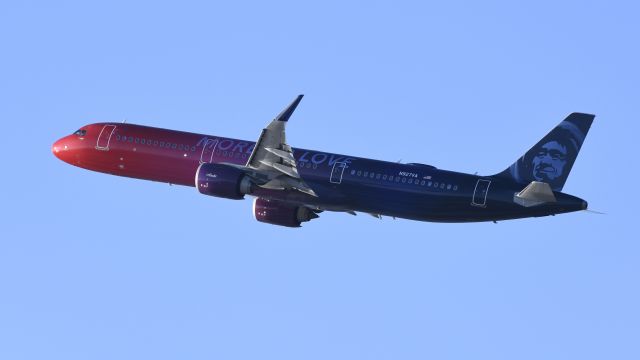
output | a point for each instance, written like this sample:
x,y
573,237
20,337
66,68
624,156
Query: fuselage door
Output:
x,y
105,137
208,150
480,193
336,172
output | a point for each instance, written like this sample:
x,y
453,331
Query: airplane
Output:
x,y
291,186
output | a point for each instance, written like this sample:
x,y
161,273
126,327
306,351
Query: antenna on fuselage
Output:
x,y
124,121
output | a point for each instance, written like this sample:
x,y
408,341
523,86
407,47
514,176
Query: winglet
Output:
x,y
286,113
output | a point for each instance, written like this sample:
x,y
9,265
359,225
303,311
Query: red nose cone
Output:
x,y
55,148
60,148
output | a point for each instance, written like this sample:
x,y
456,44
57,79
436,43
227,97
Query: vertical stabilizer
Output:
x,y
551,159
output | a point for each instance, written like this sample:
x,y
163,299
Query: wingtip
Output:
x,y
286,113
581,115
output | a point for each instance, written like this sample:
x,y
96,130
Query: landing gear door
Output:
x,y
105,137
480,193
337,172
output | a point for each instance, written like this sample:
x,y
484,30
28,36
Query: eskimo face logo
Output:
x,y
549,162
551,159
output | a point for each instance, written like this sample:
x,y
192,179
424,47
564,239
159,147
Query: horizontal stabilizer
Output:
x,y
536,193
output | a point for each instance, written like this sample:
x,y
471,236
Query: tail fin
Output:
x,y
551,159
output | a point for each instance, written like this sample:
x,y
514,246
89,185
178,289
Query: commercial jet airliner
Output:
x,y
292,185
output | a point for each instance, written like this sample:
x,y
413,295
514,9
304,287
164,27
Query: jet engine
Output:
x,y
222,181
281,213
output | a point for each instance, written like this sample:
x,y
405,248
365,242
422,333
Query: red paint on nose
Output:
x,y
55,148
59,148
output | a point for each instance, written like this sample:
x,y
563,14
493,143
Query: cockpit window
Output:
x,y
80,133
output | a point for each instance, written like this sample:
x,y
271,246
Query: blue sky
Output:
x,y
101,267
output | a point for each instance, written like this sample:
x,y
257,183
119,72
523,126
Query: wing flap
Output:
x,y
284,155
287,170
272,158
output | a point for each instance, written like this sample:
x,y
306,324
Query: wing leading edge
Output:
x,y
272,158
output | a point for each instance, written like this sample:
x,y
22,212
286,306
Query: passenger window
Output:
x,y
410,181
359,172
137,140
397,179
422,182
448,186
435,185
455,187
378,176
372,175
353,172
442,186
384,177
404,180
366,173
174,146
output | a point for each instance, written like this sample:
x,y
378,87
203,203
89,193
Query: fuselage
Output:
x,y
341,182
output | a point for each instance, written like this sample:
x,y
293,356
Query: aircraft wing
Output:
x,y
272,158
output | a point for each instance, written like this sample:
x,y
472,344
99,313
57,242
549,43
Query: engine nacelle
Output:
x,y
222,181
281,213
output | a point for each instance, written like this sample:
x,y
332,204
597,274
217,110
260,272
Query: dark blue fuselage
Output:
x,y
412,191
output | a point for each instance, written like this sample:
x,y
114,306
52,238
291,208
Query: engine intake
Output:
x,y
222,181
281,213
